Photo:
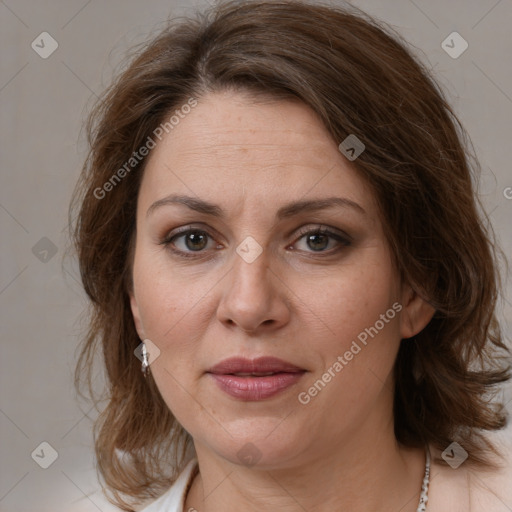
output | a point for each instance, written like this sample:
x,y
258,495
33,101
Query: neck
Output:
x,y
370,473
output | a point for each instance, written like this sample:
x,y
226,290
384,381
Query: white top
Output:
x,y
451,490
173,500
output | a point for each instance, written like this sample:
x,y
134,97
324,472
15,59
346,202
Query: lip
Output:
x,y
253,387
258,365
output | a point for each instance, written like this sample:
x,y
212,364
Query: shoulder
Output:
x,y
492,490
173,500
465,488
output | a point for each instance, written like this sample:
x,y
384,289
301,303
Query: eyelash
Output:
x,y
344,241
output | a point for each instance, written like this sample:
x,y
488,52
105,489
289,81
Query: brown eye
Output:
x,y
187,242
317,240
195,240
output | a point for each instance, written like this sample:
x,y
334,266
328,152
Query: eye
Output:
x,y
318,239
192,241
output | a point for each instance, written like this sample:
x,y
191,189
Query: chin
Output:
x,y
261,445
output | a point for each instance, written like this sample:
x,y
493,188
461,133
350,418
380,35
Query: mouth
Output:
x,y
256,379
253,374
254,367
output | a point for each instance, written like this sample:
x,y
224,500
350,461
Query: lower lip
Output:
x,y
255,388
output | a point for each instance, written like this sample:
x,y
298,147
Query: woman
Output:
x,y
277,224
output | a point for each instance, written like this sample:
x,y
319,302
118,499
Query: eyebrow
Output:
x,y
286,211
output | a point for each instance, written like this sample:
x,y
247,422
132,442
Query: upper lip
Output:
x,y
258,365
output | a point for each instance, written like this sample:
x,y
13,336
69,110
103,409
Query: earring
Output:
x,y
145,361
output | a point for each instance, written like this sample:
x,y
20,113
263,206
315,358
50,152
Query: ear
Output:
x,y
416,313
136,316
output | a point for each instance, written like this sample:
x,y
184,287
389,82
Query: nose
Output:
x,y
254,298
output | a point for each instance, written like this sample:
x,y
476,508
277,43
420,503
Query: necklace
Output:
x,y
422,505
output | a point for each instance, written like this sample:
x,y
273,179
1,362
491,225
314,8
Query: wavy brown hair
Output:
x,y
359,77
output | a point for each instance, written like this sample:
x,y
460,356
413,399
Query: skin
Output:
x,y
298,301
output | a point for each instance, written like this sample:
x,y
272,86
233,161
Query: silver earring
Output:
x,y
145,361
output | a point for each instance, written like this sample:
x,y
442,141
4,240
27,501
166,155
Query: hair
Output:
x,y
358,76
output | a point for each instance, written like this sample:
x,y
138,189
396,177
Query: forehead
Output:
x,y
231,145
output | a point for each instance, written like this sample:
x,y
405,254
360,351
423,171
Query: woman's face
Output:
x,y
251,279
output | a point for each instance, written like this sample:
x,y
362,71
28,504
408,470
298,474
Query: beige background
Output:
x,y
43,105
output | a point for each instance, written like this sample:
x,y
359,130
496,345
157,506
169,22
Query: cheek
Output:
x,y
172,307
168,310
160,294
359,310
355,298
